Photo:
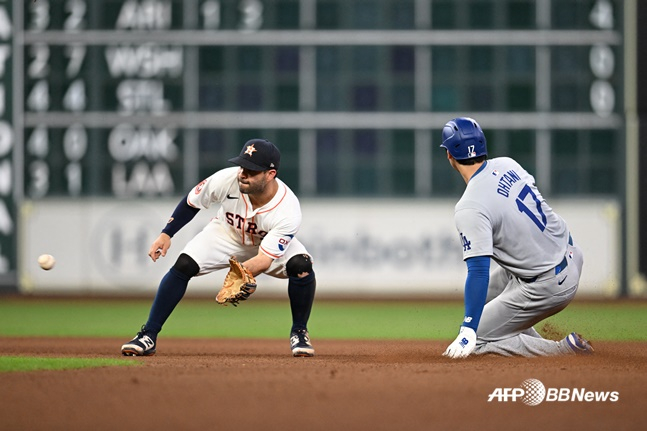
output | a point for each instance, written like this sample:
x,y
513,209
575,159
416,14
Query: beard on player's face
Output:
x,y
251,189
251,184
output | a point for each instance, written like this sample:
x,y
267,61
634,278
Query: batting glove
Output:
x,y
463,345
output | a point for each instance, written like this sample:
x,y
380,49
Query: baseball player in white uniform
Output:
x,y
257,221
502,216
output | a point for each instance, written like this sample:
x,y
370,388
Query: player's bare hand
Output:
x,y
159,247
463,345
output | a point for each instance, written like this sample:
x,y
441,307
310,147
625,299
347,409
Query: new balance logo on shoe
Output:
x,y
141,345
148,343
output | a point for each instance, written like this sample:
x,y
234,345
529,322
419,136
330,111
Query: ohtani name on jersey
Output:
x,y
238,221
506,181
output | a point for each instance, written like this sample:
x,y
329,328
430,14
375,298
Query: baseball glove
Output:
x,y
239,284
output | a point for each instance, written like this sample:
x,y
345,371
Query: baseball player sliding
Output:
x,y
502,216
253,233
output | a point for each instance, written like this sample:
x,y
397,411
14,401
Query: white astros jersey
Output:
x,y
503,215
271,227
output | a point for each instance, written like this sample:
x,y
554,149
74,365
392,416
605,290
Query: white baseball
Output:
x,y
46,261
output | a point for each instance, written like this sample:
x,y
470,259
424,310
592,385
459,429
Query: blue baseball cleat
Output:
x,y
578,344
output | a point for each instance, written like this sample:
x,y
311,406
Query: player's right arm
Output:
x,y
160,246
208,191
214,189
183,214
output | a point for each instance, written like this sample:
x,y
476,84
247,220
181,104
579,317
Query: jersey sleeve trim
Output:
x,y
188,202
273,256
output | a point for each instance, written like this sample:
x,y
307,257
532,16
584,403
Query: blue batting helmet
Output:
x,y
464,139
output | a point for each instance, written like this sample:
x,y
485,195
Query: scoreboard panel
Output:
x,y
144,98
124,97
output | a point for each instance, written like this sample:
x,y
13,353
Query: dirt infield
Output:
x,y
368,385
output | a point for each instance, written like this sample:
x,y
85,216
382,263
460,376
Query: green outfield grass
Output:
x,y
434,320
20,363
424,320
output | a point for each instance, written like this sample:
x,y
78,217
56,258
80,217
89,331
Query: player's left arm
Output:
x,y
273,246
279,235
476,285
277,240
258,264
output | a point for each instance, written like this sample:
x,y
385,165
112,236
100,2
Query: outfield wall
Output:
x,y
376,247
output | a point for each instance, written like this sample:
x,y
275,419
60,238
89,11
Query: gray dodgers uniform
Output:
x,y
502,215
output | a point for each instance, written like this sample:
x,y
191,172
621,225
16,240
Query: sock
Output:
x,y
170,292
301,292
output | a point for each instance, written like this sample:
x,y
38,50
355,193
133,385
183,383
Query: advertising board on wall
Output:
x,y
360,247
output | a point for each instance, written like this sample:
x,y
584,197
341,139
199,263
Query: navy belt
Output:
x,y
563,264
559,268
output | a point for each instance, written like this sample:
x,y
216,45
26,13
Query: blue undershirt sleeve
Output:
x,y
476,285
183,214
